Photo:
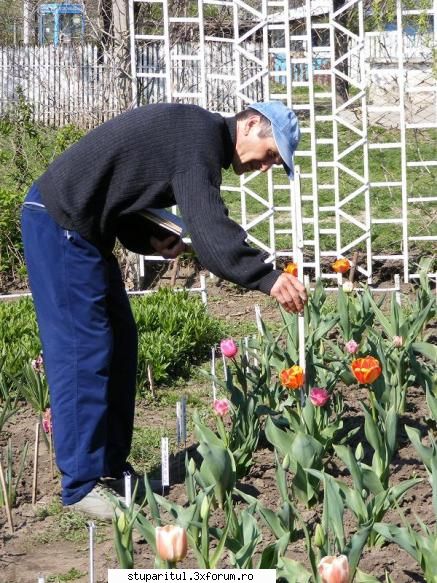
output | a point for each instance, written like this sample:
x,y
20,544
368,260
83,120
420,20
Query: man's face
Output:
x,y
252,152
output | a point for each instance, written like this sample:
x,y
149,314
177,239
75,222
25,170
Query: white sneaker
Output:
x,y
136,480
97,503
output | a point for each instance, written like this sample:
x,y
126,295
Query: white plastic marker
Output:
x,y
255,359
225,367
398,288
184,420
127,489
298,258
246,352
92,531
165,468
35,464
214,390
258,320
178,423
41,579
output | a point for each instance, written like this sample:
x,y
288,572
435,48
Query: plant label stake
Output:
x,y
214,390
255,359
6,497
52,470
184,420
41,579
92,529
127,489
225,368
258,320
35,464
178,423
151,382
165,468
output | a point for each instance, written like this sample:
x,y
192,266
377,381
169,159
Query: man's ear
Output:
x,y
249,123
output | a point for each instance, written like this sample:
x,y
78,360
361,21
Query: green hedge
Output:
x,y
174,328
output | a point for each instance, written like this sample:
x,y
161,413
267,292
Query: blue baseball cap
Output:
x,y
285,128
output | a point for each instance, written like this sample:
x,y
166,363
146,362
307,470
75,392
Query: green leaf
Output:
x,y
401,536
426,349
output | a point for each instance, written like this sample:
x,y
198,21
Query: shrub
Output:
x,y
175,332
174,329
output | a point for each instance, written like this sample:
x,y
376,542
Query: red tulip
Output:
x,y
341,265
334,569
171,543
366,370
292,378
228,348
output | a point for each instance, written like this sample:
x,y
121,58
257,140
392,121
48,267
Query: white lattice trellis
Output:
x,y
359,94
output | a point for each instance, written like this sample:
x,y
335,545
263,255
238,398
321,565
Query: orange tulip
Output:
x,y
366,370
291,268
334,569
171,543
341,265
292,378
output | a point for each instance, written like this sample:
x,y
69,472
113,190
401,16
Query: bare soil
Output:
x,y
54,542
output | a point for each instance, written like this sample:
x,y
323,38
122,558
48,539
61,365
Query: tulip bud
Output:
x,y
359,452
121,522
334,569
319,536
171,543
204,508
348,287
221,407
351,347
228,348
398,341
191,467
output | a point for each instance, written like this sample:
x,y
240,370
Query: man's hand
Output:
x,y
170,247
289,292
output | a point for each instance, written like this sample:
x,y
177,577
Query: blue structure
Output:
x,y
60,23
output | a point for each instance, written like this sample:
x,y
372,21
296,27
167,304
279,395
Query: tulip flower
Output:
x,y
221,407
38,364
348,287
292,378
366,370
319,397
171,543
228,348
334,569
398,341
351,347
47,421
341,265
291,268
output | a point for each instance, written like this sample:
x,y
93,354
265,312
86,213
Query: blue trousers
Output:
x,y
89,341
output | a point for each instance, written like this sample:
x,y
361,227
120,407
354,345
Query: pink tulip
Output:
x,y
47,421
171,543
334,569
319,397
228,348
351,347
221,407
398,341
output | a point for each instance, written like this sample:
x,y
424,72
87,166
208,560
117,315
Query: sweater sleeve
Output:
x,y
219,242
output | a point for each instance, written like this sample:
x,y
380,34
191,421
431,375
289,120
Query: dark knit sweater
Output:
x,y
155,156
